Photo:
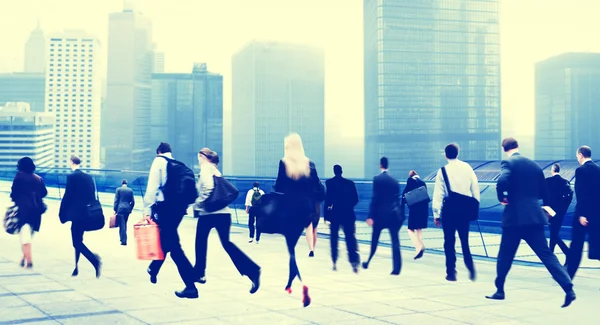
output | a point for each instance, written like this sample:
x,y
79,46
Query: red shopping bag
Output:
x,y
113,221
147,238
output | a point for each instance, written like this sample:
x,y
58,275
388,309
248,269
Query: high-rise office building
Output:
x,y
35,51
187,112
24,87
24,133
432,76
159,62
566,105
126,113
73,95
277,89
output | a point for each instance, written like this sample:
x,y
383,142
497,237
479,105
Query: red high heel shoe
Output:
x,y
305,297
289,290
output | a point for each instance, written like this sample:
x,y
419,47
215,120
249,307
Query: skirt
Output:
x,y
26,234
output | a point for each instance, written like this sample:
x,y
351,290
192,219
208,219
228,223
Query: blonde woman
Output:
x,y
298,181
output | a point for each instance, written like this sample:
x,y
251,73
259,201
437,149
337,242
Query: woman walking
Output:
x,y
221,220
27,192
297,179
311,230
418,214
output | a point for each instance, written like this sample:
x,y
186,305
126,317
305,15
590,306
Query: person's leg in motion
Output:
x,y
536,239
414,239
576,249
334,229
251,220
310,240
463,235
242,262
351,245
396,255
374,243
203,228
509,244
80,248
291,239
122,219
449,228
186,271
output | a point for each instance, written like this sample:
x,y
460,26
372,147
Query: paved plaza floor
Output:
x,y
48,294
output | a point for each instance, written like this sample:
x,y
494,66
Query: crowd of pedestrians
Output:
x,y
529,200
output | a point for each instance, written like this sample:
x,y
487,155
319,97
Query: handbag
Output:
x,y
416,196
112,223
270,215
95,219
456,204
223,194
11,220
147,237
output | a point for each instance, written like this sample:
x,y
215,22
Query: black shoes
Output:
x,y
498,295
451,277
420,254
334,268
98,265
255,282
187,293
365,265
75,272
569,298
355,267
153,278
201,280
311,254
395,273
472,275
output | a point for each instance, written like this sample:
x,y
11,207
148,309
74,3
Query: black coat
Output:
x,y
418,214
79,192
341,197
299,196
124,201
385,207
522,183
557,187
587,191
27,192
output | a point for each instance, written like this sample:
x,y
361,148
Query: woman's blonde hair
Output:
x,y
297,165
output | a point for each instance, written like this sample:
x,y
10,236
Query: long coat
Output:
x,y
27,192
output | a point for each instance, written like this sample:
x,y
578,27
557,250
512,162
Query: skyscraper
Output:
x,y
432,76
159,62
277,89
187,112
24,87
126,115
73,95
566,105
35,51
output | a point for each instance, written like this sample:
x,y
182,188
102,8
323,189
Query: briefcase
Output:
x,y
416,196
113,221
147,237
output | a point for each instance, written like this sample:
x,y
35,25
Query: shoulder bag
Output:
x,y
456,205
95,218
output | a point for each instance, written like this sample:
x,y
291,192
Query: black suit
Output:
x,y
79,192
340,199
386,212
522,185
557,187
124,203
587,182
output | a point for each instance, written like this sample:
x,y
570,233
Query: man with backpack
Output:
x,y
253,199
561,195
171,189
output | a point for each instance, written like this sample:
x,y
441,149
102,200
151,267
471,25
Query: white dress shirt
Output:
x,y
250,194
157,178
206,184
462,180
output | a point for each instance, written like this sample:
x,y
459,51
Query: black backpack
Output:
x,y
180,188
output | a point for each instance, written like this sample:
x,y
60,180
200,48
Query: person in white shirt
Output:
x,y
168,217
255,191
220,220
462,180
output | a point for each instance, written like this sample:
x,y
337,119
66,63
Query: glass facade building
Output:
x,y
24,87
277,88
432,76
187,112
567,105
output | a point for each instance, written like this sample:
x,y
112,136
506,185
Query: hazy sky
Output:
x,y
211,31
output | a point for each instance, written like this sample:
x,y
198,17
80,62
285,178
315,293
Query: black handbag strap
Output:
x,y
445,175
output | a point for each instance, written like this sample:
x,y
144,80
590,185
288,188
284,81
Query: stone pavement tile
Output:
x,y
208,321
462,301
374,310
419,319
101,320
280,302
34,287
137,303
23,278
20,313
336,299
12,301
467,315
322,315
56,297
264,318
511,311
169,314
73,307
419,305
361,321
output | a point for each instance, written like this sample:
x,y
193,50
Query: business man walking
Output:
x,y
124,203
520,188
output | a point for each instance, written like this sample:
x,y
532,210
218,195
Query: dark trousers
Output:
x,y
536,239
80,248
122,219
579,233
291,239
251,221
169,240
451,227
222,222
349,228
394,235
555,225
